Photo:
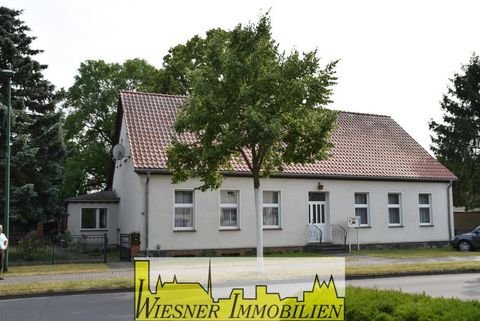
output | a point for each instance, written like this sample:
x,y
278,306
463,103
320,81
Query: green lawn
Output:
x,y
388,254
415,253
409,268
56,269
65,286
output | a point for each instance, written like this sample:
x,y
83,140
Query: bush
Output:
x,y
65,239
31,248
135,238
367,304
61,248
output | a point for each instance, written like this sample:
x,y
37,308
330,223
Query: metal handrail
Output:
x,y
319,231
344,231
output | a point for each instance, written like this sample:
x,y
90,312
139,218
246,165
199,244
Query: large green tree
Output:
x,y
91,104
37,149
250,102
182,59
456,140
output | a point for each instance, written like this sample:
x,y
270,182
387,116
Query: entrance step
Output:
x,y
326,248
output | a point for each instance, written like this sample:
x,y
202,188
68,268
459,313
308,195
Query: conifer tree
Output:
x,y
457,139
37,149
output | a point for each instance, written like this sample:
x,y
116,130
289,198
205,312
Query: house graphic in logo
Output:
x,y
191,301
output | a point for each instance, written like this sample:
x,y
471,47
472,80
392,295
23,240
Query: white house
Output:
x,y
375,171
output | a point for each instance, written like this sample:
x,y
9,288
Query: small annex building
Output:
x,y
376,171
94,214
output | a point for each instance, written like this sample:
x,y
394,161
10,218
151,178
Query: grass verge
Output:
x,y
415,253
56,269
386,254
369,304
65,286
409,268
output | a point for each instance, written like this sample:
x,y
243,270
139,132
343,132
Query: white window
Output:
x,y
271,209
94,218
229,209
425,209
184,210
394,209
361,208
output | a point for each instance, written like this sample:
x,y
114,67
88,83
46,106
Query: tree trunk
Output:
x,y
259,217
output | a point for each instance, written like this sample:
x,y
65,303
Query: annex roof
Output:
x,y
365,145
98,197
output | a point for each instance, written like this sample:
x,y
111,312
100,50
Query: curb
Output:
x,y
64,293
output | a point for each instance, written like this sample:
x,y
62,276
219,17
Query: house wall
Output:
x,y
294,212
75,215
130,188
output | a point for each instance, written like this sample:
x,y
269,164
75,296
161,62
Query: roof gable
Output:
x,y
365,145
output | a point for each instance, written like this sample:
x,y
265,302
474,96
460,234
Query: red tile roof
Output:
x,y
365,145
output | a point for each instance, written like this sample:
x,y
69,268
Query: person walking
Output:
x,y
3,247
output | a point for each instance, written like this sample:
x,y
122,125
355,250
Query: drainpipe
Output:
x,y
147,192
449,211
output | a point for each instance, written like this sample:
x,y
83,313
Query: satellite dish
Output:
x,y
118,152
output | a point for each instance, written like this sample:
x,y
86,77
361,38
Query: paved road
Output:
x,y
462,286
119,306
104,307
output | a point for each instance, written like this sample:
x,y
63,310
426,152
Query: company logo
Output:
x,y
177,300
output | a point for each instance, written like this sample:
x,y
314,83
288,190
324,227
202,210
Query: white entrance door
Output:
x,y
317,230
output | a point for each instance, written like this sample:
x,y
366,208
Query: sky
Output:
x,y
395,57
